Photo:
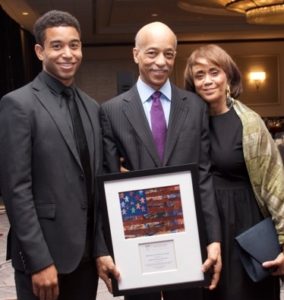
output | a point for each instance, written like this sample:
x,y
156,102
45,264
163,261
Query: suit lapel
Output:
x,y
177,117
134,112
44,96
92,118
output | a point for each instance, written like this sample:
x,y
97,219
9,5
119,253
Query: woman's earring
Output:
x,y
228,91
229,101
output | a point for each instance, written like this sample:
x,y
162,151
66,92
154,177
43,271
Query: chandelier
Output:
x,y
259,11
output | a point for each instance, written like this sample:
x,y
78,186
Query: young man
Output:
x,y
50,153
129,131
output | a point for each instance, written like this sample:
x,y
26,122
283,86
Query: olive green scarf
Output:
x,y
264,165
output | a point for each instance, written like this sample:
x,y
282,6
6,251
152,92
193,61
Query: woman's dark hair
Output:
x,y
220,58
53,18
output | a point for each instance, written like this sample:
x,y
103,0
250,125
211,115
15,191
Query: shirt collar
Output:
x,y
53,84
145,91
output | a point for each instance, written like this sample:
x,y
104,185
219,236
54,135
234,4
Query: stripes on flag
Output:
x,y
151,211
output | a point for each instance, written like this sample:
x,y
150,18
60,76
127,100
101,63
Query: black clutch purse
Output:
x,y
257,245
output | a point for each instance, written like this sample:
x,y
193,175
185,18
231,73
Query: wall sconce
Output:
x,y
257,78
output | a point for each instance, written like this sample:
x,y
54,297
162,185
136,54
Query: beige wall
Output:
x,y
98,73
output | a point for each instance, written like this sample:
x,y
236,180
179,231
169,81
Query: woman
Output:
x,y
246,166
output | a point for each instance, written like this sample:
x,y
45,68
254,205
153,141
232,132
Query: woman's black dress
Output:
x,y
238,211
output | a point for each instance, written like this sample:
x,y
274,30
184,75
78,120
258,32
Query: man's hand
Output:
x,y
213,263
45,283
277,264
106,267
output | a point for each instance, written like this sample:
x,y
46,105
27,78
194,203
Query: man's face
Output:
x,y
61,53
155,57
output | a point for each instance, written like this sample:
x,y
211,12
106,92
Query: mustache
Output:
x,y
160,70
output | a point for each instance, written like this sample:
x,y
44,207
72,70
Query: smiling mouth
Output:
x,y
209,91
67,66
159,72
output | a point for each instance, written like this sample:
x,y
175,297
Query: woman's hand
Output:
x,y
277,264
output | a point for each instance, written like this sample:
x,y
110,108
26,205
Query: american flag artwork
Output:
x,y
153,211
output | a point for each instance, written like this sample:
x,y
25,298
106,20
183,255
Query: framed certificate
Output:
x,y
155,228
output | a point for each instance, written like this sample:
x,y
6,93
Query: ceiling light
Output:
x,y
25,13
259,11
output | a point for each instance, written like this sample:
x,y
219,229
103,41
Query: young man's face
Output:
x,y
61,53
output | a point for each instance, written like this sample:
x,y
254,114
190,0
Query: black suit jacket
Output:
x,y
42,180
126,133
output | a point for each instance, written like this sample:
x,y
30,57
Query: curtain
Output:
x,y
18,63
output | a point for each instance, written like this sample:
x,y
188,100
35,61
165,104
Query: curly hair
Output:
x,y
53,18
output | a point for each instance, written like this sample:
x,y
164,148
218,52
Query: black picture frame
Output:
x,y
163,246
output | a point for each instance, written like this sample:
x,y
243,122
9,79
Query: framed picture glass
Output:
x,y
155,228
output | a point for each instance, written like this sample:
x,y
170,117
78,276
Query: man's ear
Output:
x,y
135,54
39,51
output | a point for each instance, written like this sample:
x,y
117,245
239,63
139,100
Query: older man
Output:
x,y
131,131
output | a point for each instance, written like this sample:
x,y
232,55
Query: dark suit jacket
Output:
x,y
42,180
126,133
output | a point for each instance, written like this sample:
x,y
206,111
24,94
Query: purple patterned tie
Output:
x,y
158,122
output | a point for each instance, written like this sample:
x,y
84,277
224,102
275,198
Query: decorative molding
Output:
x,y
206,10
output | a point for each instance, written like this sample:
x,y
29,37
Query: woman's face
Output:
x,y
210,82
